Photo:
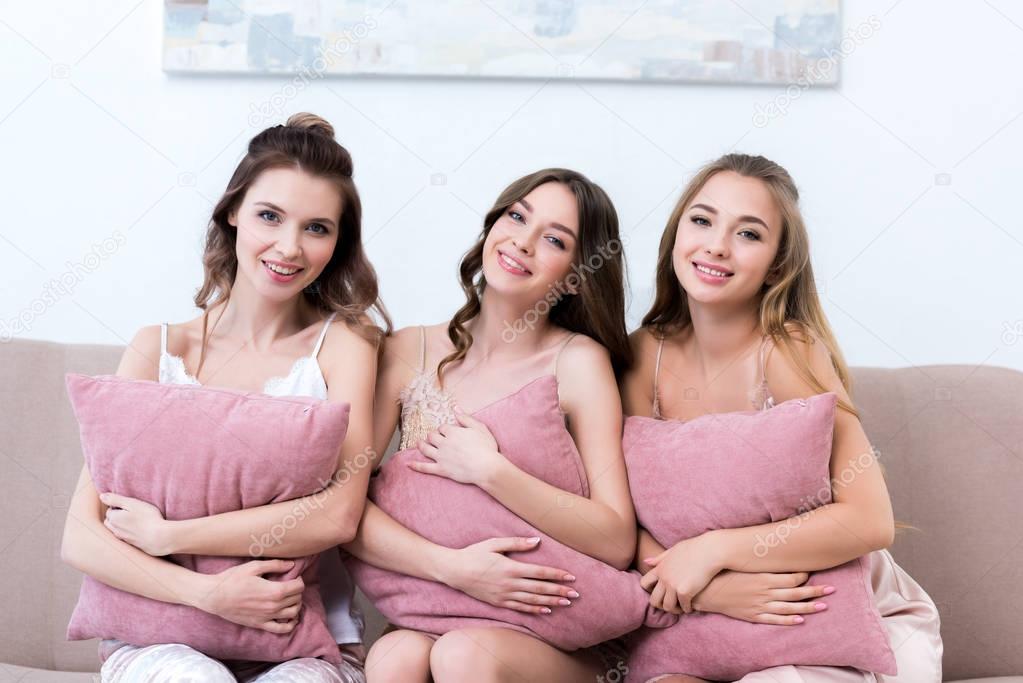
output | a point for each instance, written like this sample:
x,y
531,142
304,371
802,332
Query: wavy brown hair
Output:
x,y
348,283
790,309
598,308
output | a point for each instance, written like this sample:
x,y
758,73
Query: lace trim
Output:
x,y
424,408
172,370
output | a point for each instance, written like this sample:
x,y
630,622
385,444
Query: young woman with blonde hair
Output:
x,y
735,325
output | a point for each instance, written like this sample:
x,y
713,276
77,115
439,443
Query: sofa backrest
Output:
x,y
950,438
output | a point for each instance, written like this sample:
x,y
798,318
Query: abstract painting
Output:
x,y
745,41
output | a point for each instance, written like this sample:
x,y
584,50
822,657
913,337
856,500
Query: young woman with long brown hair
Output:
x,y
290,294
538,318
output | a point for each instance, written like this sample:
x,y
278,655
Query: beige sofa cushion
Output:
x,y
950,438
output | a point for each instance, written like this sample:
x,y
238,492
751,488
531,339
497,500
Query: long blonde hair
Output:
x,y
790,309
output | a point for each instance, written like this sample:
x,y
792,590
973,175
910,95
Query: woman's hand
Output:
x,y
465,452
762,598
138,523
482,571
681,572
242,596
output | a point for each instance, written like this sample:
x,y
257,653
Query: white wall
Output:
x,y
98,143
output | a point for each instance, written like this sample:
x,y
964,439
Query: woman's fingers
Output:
x,y
534,599
292,587
426,467
523,607
279,626
801,593
290,601
509,544
776,607
546,588
536,571
657,596
778,620
288,613
261,567
670,602
787,580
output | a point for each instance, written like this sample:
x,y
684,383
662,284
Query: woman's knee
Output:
x,y
401,655
458,656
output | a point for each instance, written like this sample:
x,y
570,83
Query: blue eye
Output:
x,y
322,228
750,235
555,241
700,220
268,216
515,216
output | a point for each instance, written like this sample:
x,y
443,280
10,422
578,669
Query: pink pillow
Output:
x,y
530,432
734,470
193,451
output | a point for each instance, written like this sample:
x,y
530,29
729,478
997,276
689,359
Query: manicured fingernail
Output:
x,y
569,577
573,594
820,605
829,590
798,620
564,603
546,610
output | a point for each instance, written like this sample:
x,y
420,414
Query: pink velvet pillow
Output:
x,y
530,432
734,470
193,451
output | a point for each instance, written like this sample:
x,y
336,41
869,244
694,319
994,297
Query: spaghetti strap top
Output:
x,y
425,406
344,619
304,379
760,395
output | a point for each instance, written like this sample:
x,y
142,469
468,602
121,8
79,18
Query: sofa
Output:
x,y
950,438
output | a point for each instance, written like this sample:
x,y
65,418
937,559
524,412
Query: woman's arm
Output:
x,y
857,522
860,519
91,548
324,519
646,546
480,570
603,525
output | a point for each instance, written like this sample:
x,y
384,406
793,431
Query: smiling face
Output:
x,y
727,240
287,227
533,244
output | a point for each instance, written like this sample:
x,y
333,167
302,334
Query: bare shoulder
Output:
x,y
636,383
644,345
583,366
582,353
141,358
785,371
401,354
344,343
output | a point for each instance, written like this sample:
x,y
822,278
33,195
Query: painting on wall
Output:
x,y
756,41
